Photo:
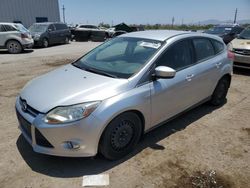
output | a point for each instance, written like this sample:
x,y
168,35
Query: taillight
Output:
x,y
230,55
24,36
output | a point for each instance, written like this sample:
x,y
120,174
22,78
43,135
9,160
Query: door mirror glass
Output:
x,y
164,72
49,30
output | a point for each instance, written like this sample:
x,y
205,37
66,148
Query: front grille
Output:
x,y
242,64
241,51
41,140
25,125
33,112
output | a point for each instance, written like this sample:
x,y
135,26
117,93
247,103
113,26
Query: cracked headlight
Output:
x,y
72,113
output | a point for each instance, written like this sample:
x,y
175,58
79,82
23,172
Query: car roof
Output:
x,y
49,23
163,35
160,35
8,23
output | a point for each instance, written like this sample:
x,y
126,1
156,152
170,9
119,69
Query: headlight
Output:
x,y
37,36
230,47
70,113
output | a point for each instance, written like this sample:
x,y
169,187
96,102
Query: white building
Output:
x,y
28,12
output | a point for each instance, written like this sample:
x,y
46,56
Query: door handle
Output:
x,y
189,77
218,65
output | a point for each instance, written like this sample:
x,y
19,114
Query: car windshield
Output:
x,y
245,34
38,28
219,30
21,28
119,58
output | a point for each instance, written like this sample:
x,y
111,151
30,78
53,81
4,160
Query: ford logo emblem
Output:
x,y
24,106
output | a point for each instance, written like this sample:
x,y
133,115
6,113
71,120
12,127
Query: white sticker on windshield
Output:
x,y
150,45
228,29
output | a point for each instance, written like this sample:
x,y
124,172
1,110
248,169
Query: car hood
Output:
x,y
241,44
69,85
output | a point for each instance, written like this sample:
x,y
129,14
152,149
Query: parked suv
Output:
x,y
46,34
14,37
106,100
226,32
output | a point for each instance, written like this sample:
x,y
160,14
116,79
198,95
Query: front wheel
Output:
x,y
220,92
14,47
121,136
45,43
66,40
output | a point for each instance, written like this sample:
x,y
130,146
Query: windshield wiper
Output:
x,y
99,72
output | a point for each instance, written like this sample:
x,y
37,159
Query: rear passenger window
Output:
x,y
9,28
178,56
203,48
218,46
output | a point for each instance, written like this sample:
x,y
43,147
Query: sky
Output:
x,y
152,11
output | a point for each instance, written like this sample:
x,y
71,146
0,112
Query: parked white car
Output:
x,y
15,37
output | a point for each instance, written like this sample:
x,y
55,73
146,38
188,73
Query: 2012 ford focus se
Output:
x,y
107,99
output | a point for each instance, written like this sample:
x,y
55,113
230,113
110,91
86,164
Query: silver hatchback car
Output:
x,y
105,101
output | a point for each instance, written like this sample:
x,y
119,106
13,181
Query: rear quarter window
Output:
x,y
218,46
2,28
203,48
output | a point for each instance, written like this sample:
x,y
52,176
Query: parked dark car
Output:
x,y
226,32
46,34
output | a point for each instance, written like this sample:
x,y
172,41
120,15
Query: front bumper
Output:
x,y
242,61
58,139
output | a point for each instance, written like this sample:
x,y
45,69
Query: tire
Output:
x,y
220,92
14,47
45,43
66,40
121,136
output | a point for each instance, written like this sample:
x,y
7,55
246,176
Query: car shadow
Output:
x,y
26,51
50,46
75,167
241,71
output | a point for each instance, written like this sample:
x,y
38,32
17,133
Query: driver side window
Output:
x,y
52,27
178,56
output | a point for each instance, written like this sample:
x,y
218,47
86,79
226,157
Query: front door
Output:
x,y
172,96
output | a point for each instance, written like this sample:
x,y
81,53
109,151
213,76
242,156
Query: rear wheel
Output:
x,y
220,92
14,47
121,136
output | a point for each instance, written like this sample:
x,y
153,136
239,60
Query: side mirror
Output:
x,y
49,30
164,72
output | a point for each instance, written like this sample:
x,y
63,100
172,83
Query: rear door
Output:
x,y
208,64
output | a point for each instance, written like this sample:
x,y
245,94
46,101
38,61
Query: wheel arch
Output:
x,y
12,39
137,112
228,77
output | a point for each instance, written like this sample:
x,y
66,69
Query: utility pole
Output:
x,y
172,22
235,15
63,14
